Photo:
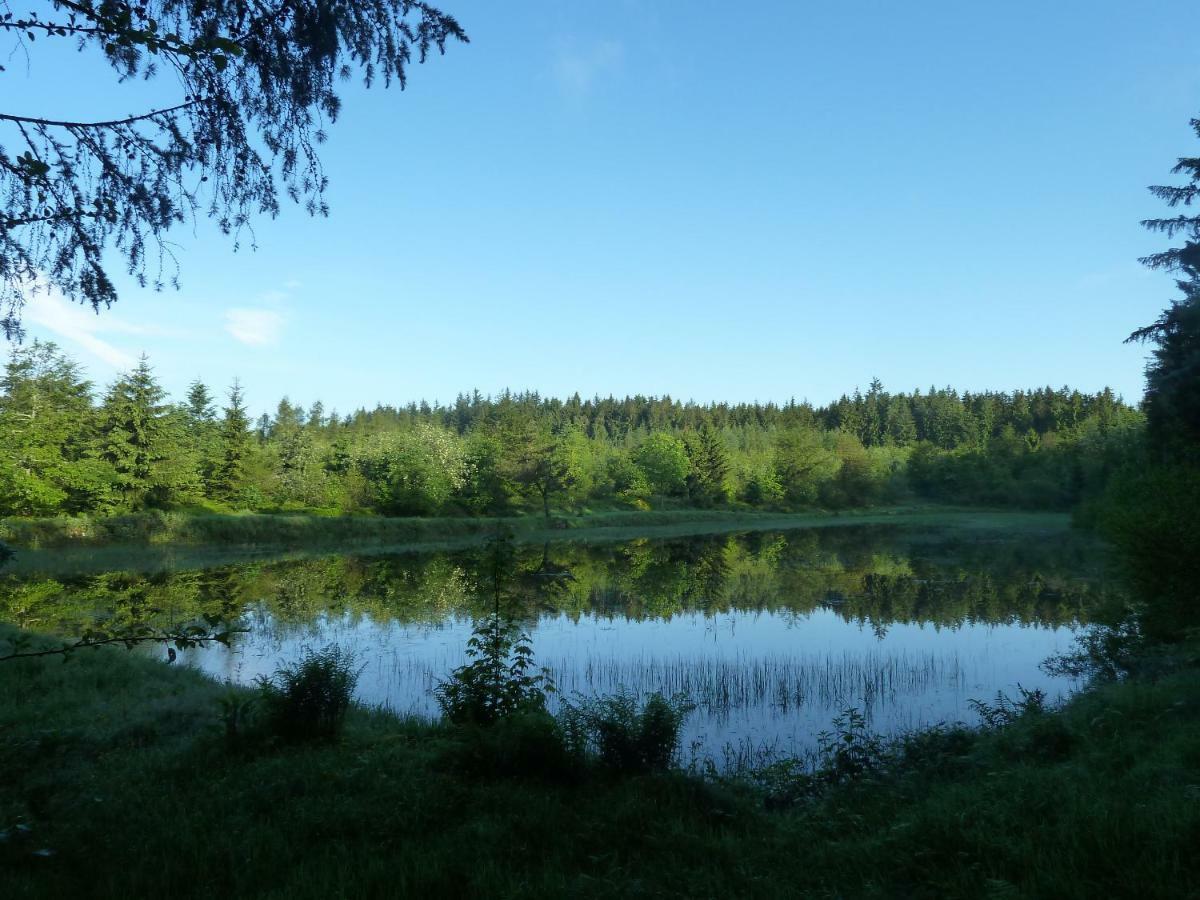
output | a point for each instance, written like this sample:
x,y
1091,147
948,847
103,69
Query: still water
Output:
x,y
770,635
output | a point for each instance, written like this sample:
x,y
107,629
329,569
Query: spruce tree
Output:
x,y
1173,374
200,403
202,432
708,481
230,475
136,438
47,428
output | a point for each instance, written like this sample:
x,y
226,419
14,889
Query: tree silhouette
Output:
x,y
1173,374
255,83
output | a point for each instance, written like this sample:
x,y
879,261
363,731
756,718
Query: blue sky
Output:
x,y
716,201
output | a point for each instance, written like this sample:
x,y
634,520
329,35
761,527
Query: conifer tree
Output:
x,y
230,474
202,432
1173,374
47,425
708,481
137,439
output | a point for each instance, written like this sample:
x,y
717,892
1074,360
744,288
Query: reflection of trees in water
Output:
x,y
873,575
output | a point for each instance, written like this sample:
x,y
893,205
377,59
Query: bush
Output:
x,y
1149,514
498,682
626,737
308,699
1003,712
851,751
527,744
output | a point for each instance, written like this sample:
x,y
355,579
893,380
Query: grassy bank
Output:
x,y
118,776
176,537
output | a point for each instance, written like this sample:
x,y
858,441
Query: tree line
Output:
x,y
72,450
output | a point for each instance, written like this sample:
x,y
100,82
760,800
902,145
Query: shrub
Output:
x,y
236,711
850,751
309,699
498,682
627,737
1003,712
1149,515
527,744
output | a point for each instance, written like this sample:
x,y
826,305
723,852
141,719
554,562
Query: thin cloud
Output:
x,y
274,296
577,68
79,325
254,327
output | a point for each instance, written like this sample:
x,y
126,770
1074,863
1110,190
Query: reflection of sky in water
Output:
x,y
785,675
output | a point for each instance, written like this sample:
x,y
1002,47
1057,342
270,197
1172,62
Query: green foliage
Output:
x,y
527,743
388,809
48,429
850,751
627,737
522,453
208,629
1149,511
414,472
805,464
663,461
308,700
1150,515
143,441
236,713
1002,712
500,680
708,479
227,481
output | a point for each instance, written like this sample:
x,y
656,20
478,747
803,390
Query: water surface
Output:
x,y
770,635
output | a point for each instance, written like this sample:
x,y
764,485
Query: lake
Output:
x,y
770,634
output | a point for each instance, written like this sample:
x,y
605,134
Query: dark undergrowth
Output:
x,y
118,778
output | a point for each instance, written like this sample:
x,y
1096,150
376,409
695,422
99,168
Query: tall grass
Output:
x,y
720,684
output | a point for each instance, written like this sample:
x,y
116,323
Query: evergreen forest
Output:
x,y
76,449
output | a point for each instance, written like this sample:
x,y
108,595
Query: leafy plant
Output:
x,y
309,699
1003,711
236,710
851,750
627,736
499,681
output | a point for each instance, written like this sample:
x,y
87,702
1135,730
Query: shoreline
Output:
x,y
180,540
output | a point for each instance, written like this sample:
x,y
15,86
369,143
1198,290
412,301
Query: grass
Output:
x,y
116,769
720,684
169,540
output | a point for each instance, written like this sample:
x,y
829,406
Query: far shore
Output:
x,y
174,540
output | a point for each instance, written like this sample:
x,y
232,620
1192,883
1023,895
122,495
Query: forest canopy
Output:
x,y
129,447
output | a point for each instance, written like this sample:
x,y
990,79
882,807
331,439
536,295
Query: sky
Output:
x,y
716,201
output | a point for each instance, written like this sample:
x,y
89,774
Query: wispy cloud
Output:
x,y
274,297
80,326
255,327
260,325
577,66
